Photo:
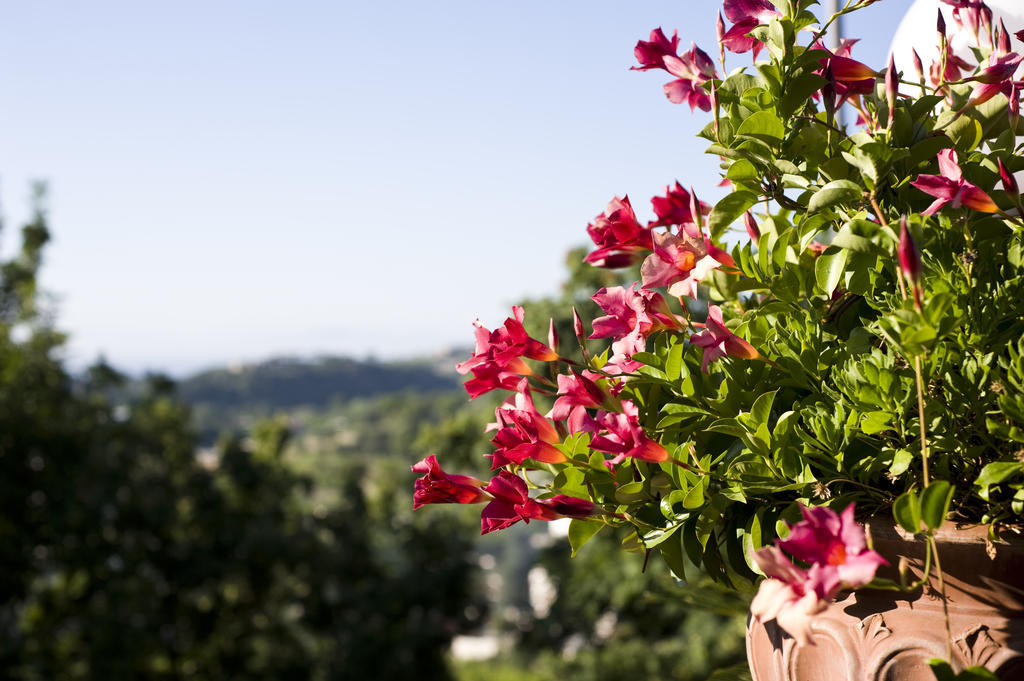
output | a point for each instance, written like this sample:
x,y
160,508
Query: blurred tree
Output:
x,y
125,555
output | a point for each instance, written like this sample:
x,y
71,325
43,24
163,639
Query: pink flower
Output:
x,y
438,487
834,540
631,316
971,14
651,53
628,309
790,595
996,78
954,68
718,341
512,503
578,390
836,549
680,262
950,187
523,433
499,353
676,207
623,437
999,69
692,70
744,10
620,238
746,15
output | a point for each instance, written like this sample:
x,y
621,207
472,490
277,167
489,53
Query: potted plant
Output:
x,y
853,354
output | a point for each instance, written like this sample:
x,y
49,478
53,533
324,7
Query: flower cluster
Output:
x,y
761,355
835,549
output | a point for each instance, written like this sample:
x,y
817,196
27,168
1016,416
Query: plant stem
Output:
x,y
920,418
945,603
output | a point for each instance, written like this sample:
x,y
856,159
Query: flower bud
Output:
x,y
910,260
1002,39
552,335
577,326
751,225
891,87
940,26
720,30
909,255
918,66
698,217
1009,182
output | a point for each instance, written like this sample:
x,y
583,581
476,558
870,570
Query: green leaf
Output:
x,y
798,90
762,125
907,511
694,498
944,672
630,492
674,362
835,192
743,171
875,422
901,462
997,471
672,554
829,269
728,210
657,536
580,532
935,500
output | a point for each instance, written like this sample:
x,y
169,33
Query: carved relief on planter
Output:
x,y
890,636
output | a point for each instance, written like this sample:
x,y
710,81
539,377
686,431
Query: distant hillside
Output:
x,y
286,383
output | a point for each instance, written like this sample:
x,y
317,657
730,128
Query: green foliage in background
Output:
x,y
126,553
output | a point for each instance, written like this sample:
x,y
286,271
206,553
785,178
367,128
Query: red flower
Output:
x,y
620,238
512,503
623,437
950,187
498,354
651,53
438,487
488,377
675,208
850,76
1009,182
719,341
523,433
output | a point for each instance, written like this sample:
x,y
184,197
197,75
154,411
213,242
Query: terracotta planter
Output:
x,y
890,636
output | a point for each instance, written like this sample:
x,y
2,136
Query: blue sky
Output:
x,y
232,180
